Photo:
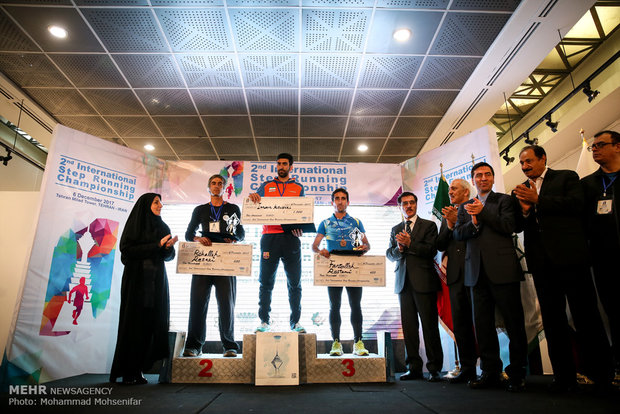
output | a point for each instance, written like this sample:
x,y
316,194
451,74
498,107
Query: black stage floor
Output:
x,y
417,397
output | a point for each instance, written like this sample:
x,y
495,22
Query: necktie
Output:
x,y
408,226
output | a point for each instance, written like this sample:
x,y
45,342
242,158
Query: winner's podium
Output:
x,y
313,368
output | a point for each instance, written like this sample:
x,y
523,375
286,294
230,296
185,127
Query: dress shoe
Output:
x,y
434,376
515,385
484,381
463,376
411,375
134,380
561,387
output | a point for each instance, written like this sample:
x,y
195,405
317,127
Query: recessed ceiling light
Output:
x,y
58,31
362,147
149,147
402,35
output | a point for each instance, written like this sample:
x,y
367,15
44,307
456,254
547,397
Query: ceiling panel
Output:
x,y
90,71
228,126
133,126
29,69
249,78
219,101
191,146
234,146
114,101
180,126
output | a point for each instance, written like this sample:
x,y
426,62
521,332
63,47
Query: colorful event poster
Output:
x,y
67,319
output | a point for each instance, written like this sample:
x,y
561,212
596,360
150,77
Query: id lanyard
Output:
x,y
606,186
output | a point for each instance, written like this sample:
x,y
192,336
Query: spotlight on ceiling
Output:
x,y
362,147
57,31
149,147
552,125
591,94
508,158
530,141
402,35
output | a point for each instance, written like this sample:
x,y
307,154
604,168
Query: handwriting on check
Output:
x,y
204,257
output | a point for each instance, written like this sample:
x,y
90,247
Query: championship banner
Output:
x,y
339,270
219,259
186,181
421,175
68,314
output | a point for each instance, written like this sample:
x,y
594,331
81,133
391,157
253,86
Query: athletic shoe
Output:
x,y
298,328
190,352
263,327
336,349
359,350
229,353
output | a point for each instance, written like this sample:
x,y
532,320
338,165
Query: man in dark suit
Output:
x,y
460,302
602,213
557,255
492,271
413,247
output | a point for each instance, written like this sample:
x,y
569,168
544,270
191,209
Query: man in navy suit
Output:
x,y
556,250
413,248
493,273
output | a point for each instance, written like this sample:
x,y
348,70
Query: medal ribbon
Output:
x,y
283,188
341,231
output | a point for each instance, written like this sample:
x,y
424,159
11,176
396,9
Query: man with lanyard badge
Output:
x,y
602,195
276,245
343,232
220,223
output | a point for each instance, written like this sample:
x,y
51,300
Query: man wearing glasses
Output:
x,y
602,195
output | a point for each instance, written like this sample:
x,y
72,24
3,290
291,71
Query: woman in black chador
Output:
x,y
145,306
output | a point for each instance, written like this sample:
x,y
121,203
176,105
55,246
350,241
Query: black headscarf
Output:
x,y
142,225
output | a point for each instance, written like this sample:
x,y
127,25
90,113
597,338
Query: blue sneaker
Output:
x,y
298,328
263,327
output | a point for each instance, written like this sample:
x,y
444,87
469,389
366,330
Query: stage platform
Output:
x,y
313,368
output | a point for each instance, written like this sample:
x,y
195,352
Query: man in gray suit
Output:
x,y
460,301
413,247
493,273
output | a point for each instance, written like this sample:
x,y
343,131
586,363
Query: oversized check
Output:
x,y
219,259
278,210
349,270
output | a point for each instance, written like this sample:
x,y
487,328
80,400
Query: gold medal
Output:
x,y
343,243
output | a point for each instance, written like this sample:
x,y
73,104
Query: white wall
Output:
x,y
18,217
19,175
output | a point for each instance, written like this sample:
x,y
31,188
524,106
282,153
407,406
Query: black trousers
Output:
x,y
463,325
607,278
412,304
355,299
225,293
507,298
554,286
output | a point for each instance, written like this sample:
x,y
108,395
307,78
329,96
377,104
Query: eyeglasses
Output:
x,y
599,145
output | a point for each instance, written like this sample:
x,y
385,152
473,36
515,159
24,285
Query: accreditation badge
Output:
x,y
214,227
604,206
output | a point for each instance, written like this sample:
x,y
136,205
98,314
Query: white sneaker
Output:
x,y
298,328
263,327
